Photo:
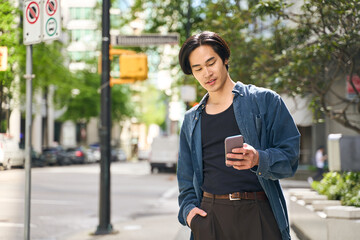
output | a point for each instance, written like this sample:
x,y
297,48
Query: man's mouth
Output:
x,y
212,81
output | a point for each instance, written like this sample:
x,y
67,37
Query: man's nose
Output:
x,y
207,72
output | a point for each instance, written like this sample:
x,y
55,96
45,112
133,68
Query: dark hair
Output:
x,y
205,38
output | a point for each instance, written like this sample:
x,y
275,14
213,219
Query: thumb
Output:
x,y
202,213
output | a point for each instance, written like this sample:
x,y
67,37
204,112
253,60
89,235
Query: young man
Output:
x,y
232,200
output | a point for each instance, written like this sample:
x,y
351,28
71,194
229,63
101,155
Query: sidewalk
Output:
x,y
160,227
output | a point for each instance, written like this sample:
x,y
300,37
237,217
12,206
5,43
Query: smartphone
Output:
x,y
231,142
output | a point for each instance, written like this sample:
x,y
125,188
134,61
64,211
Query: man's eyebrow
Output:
x,y
197,65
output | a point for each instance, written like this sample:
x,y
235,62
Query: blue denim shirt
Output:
x,y
267,125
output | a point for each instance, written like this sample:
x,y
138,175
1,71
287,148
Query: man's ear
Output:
x,y
226,61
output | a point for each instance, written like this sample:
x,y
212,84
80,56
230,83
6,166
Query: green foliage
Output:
x,y
49,66
273,45
340,186
152,106
81,97
10,36
122,106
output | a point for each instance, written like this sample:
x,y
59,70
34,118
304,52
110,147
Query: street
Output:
x,y
65,200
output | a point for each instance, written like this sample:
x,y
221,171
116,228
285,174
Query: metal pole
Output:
x,y
105,226
188,23
28,119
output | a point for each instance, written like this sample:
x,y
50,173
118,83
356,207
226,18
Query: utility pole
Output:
x,y
105,226
188,23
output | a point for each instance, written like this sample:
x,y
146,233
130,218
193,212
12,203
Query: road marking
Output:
x,y
39,201
118,169
14,225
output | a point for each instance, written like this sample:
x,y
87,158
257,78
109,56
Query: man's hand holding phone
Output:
x,y
240,155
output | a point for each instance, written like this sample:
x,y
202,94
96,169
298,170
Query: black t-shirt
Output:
x,y
218,178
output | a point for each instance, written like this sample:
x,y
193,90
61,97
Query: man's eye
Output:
x,y
211,63
198,70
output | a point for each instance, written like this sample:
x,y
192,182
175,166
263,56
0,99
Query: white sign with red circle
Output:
x,y
32,22
52,17
32,12
51,7
42,20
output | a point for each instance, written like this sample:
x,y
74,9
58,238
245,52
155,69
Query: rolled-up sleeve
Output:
x,y
185,175
281,156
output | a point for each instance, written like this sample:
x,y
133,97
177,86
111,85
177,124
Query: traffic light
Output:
x,y
133,66
114,81
3,58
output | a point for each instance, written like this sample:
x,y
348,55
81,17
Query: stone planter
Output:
x,y
312,216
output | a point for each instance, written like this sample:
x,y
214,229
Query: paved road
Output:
x,y
65,199
65,203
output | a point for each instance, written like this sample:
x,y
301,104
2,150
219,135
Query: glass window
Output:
x,y
81,13
81,56
84,35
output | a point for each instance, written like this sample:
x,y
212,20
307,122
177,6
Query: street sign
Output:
x,y
144,40
51,27
32,22
3,58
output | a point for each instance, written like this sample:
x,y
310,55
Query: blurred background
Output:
x,y
299,49
307,51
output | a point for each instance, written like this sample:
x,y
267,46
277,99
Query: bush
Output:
x,y
340,186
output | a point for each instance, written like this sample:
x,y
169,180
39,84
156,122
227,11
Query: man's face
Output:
x,y
208,68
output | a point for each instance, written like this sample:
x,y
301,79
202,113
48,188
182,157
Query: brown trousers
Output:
x,y
235,220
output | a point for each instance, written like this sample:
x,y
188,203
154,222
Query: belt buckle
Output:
x,y
234,198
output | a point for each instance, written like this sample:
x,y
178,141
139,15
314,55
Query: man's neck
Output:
x,y
222,95
220,100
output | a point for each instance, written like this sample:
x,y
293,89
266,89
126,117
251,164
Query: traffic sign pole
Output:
x,y
28,122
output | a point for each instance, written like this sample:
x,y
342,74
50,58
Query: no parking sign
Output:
x,y
51,26
32,22
42,20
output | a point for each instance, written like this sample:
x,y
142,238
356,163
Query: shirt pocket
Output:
x,y
258,124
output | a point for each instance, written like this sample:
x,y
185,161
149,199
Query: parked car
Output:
x,y
76,155
164,153
95,151
36,160
90,156
118,155
11,155
55,156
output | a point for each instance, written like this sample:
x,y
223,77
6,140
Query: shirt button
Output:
x,y
241,94
195,118
259,173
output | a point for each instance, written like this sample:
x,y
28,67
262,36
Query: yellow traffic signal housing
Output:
x,y
114,81
3,58
133,66
113,52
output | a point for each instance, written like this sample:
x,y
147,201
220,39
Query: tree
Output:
x,y
251,52
82,100
152,106
9,37
306,53
325,51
